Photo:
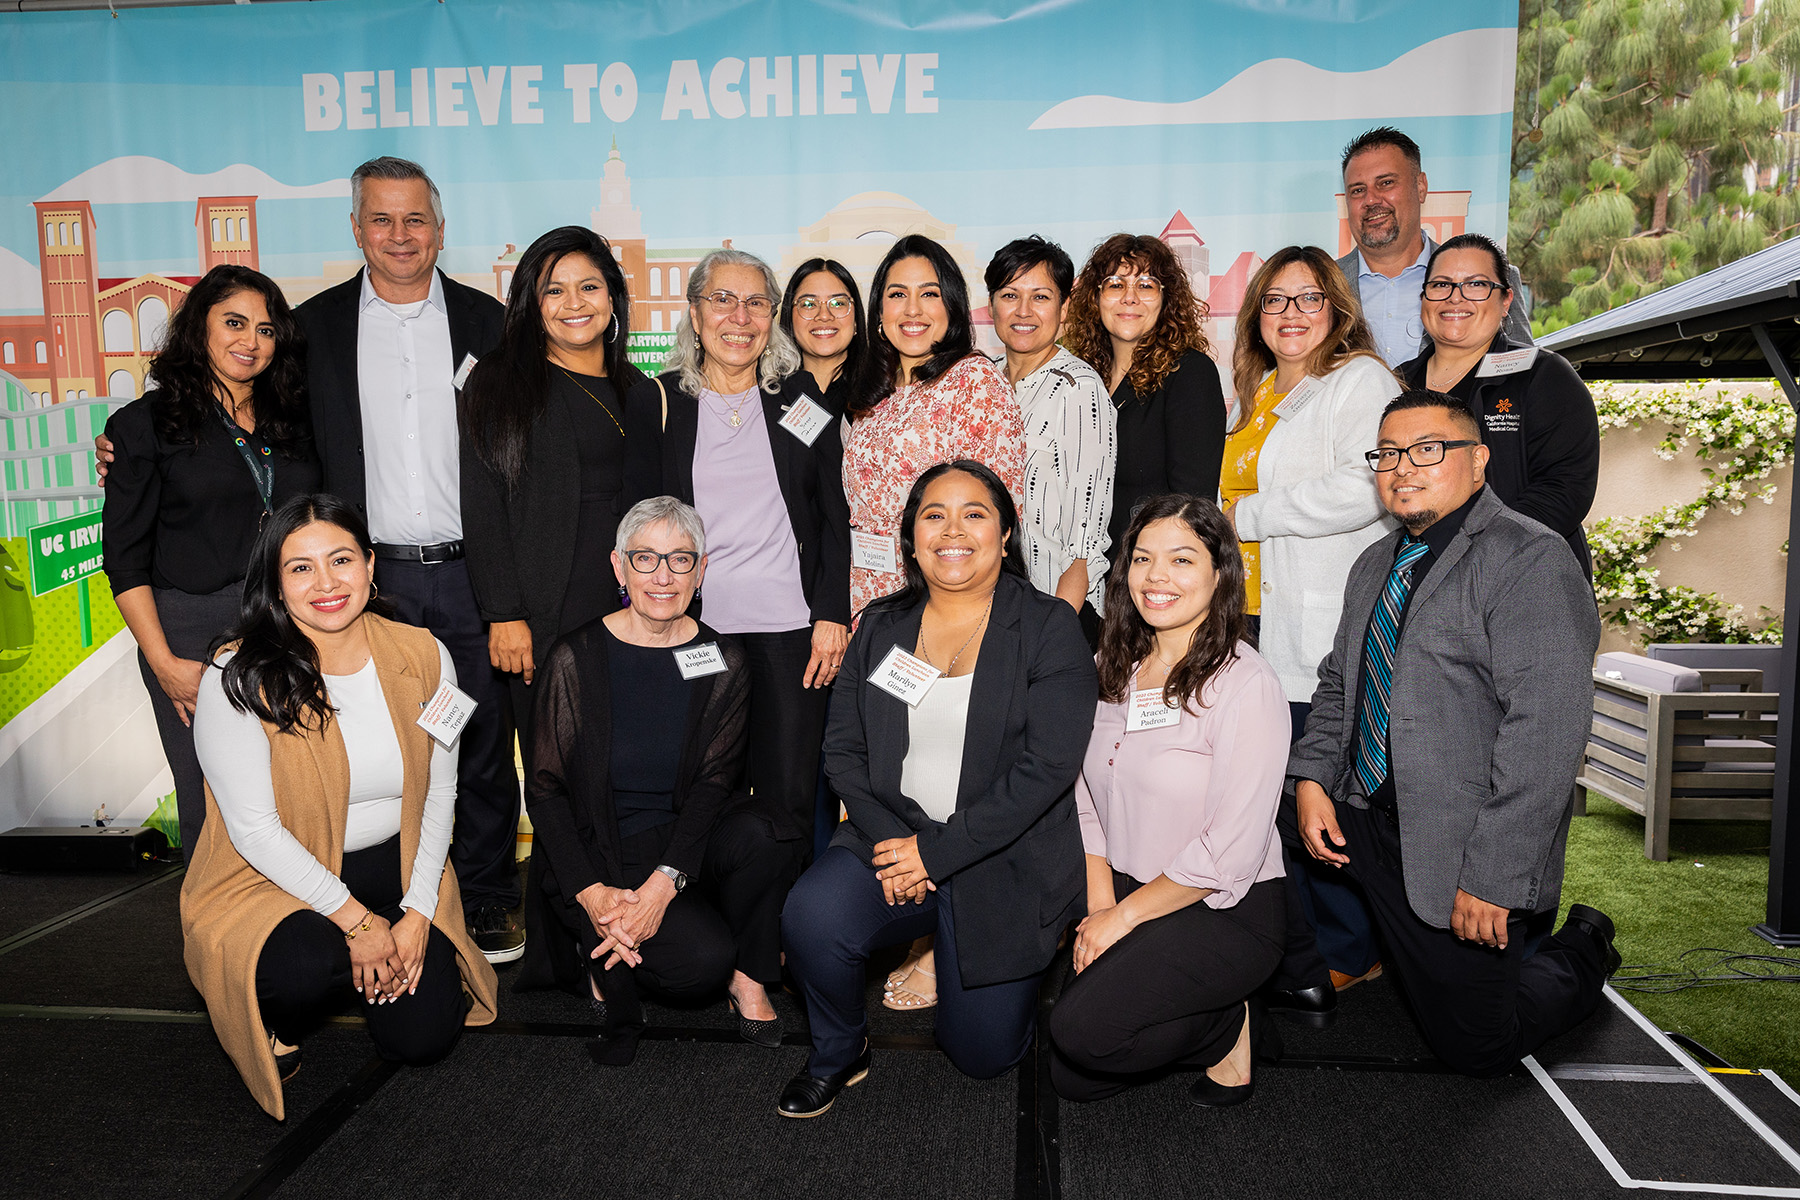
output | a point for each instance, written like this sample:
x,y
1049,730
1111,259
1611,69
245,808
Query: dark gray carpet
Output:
x,y
1679,1132
26,899
527,1116
107,1108
128,955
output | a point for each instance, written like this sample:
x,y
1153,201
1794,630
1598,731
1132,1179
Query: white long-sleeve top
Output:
x,y
234,754
1315,509
1071,450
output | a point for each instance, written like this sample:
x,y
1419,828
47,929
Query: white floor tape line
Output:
x,y
1622,1177
1781,1085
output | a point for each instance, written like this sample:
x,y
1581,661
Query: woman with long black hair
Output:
x,y
956,734
555,444
319,874
220,440
823,314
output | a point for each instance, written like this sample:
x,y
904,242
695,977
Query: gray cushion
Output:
x,y
1648,672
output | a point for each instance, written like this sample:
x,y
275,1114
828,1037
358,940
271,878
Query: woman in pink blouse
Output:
x,y
1186,911
925,396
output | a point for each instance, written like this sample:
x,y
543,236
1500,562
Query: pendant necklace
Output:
x,y
927,653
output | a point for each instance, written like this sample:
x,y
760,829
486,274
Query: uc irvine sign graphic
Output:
x,y
176,139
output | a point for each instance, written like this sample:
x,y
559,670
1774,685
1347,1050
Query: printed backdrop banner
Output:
x,y
146,147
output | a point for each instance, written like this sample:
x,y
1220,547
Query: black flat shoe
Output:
x,y
287,1065
1315,1007
613,1049
1207,1093
810,1096
766,1034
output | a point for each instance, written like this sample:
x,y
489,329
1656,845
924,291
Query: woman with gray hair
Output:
x,y
749,442
653,876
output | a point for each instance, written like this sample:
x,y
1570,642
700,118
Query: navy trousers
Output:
x,y
836,917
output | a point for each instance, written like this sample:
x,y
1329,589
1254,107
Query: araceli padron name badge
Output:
x,y
1147,711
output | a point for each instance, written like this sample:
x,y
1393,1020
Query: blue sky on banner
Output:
x,y
1064,119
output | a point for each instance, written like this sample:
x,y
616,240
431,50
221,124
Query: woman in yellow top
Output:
x,y
1310,395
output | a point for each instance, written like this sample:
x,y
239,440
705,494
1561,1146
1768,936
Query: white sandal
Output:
x,y
906,999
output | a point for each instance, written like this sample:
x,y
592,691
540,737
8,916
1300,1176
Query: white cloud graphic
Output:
x,y
1459,75
20,286
140,179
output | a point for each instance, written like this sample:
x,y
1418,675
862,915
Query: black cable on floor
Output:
x,y
1722,968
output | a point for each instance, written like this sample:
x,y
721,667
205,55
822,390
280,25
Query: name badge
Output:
x,y
1297,399
1147,711
806,420
446,713
873,552
905,677
694,662
1506,362
462,372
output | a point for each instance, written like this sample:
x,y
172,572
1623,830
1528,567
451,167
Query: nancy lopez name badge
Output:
x,y
806,420
446,713
905,677
695,662
1147,711
873,552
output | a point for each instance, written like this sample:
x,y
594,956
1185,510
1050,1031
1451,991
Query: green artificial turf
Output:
x,y
1709,893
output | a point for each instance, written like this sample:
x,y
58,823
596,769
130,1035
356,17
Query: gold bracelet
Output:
x,y
368,916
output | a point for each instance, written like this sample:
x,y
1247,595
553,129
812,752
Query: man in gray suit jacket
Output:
x,y
1384,195
1437,763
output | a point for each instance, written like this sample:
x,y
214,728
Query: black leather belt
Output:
x,y
438,552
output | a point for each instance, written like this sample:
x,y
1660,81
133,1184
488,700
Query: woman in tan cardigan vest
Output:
x,y
273,958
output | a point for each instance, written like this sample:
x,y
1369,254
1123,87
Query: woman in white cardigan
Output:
x,y
1296,487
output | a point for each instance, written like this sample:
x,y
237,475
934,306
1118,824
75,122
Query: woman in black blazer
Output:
x,y
553,445
1134,318
961,795
749,444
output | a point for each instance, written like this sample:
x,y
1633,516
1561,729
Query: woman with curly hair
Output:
x,y
220,440
1135,320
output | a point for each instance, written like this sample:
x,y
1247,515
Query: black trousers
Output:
x,y
1481,1010
303,974
1169,993
439,597
728,919
787,728
190,623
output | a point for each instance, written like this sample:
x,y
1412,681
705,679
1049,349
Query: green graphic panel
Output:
x,y
63,551
40,639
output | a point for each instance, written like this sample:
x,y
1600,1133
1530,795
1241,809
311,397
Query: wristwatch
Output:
x,y
675,877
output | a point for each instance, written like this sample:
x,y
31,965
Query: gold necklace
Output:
x,y
924,650
594,398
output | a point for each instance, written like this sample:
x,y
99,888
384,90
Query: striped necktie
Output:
x,y
1378,668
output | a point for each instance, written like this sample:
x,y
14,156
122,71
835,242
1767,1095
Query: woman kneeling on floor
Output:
x,y
956,732
1177,798
319,874
640,732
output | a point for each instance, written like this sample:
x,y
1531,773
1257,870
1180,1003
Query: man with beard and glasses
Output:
x,y
1438,759
1384,190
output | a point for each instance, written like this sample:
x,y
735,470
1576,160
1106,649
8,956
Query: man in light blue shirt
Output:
x,y
1384,192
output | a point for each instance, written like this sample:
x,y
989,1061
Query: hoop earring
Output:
x,y
374,590
612,329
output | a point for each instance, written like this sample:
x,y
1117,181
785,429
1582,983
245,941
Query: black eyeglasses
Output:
x,y
1420,454
644,562
1472,290
1274,303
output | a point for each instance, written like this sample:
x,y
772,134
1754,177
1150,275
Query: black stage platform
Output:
x,y
112,1085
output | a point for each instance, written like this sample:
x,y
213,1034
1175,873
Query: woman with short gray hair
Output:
x,y
749,443
655,876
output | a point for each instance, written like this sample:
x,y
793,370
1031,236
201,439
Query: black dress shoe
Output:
x,y
1314,1006
613,1049
810,1096
1598,926
766,1034
1207,1093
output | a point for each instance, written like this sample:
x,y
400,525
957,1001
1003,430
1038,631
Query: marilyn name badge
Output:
x,y
446,713
695,662
1506,362
905,677
1147,711
806,420
462,372
1297,398
873,552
